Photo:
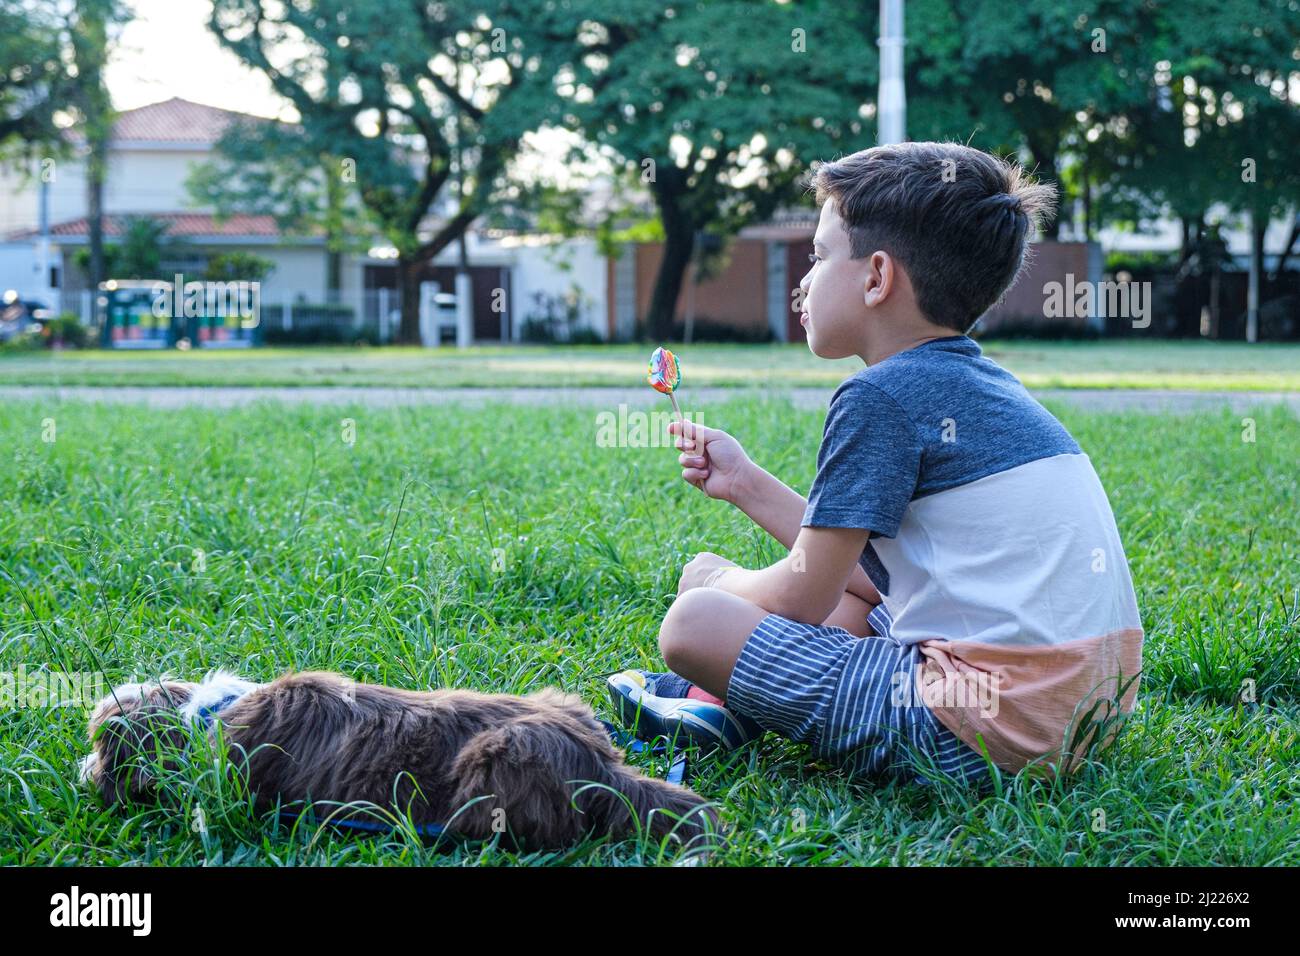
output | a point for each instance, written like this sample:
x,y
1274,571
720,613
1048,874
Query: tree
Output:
x,y
1039,79
1211,118
138,253
31,76
263,167
1248,116
90,25
237,266
718,107
397,89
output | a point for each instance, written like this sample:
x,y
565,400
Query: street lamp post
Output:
x,y
891,105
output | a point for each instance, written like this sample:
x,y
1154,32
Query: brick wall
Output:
x,y
738,296
1050,262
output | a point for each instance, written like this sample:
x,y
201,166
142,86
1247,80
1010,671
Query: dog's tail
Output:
x,y
634,802
553,776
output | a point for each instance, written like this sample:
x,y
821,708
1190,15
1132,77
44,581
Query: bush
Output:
x,y
559,318
1279,319
1140,263
321,335
708,330
542,331
1050,331
327,323
29,341
238,266
67,330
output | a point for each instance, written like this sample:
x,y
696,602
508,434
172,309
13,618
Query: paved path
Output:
x,y
1099,400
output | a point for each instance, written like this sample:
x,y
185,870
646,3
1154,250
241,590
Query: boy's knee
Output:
x,y
681,630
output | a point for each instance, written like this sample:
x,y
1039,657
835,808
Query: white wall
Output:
x,y
301,269
552,268
149,180
18,198
138,181
18,271
20,195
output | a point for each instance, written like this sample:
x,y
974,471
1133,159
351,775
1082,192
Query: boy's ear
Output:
x,y
879,280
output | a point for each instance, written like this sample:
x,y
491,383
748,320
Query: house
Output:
x,y
152,151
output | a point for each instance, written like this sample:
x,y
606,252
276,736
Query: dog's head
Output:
x,y
136,731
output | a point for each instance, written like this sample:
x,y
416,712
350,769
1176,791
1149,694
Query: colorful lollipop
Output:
x,y
664,375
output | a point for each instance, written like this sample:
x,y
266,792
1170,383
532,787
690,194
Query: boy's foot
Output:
x,y
649,715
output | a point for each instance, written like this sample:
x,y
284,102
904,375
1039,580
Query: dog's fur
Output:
x,y
319,736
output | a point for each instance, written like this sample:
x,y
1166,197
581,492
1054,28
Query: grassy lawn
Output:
x,y
1105,364
377,559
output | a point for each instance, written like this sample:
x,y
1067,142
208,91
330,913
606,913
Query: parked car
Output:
x,y
21,315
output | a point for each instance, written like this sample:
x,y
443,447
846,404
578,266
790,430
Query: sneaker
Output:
x,y
702,723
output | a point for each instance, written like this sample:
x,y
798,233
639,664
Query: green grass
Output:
x,y
1102,364
376,560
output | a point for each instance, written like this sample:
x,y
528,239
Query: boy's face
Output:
x,y
834,310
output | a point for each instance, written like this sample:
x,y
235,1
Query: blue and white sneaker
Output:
x,y
680,718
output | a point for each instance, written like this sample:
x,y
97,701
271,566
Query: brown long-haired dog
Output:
x,y
319,736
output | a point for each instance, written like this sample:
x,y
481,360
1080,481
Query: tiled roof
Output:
x,y
174,121
192,225
171,121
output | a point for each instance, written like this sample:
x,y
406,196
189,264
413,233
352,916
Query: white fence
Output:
x,y
371,314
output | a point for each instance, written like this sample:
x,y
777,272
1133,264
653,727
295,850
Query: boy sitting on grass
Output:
x,y
955,585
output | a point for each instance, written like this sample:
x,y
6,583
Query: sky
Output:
x,y
167,50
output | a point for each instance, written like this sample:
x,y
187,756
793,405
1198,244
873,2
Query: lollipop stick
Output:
x,y
673,398
681,421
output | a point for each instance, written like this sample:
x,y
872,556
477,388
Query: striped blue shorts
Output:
x,y
822,686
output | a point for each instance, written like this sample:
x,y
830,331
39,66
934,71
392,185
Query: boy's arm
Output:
x,y
728,474
778,509
808,583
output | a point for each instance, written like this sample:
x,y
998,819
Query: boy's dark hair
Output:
x,y
957,219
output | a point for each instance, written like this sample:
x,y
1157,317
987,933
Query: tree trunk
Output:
x,y
95,218
335,237
669,189
1258,223
333,274
1185,249
1215,310
1087,206
88,24
408,284
679,243
1285,254
1044,154
668,285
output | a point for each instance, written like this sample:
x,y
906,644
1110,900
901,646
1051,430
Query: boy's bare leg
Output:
x,y
703,632
851,614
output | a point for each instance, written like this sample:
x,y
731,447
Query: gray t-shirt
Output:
x,y
992,544
923,421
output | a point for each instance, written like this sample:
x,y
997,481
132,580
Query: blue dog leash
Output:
x,y
629,742
209,714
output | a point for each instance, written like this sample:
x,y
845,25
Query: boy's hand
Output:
x,y
719,467
700,569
